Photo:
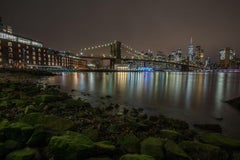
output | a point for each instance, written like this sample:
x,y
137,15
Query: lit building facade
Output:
x,y
190,50
20,52
198,55
227,58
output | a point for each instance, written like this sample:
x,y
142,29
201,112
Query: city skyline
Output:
x,y
156,25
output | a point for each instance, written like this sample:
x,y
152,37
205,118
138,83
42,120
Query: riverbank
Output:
x,y
40,122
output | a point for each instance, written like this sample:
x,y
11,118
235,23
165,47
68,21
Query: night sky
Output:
x,y
163,25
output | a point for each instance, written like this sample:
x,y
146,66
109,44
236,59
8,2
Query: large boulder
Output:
x,y
24,154
219,140
136,157
197,150
129,143
153,147
70,146
174,152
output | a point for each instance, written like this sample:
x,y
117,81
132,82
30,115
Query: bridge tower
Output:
x,y
116,53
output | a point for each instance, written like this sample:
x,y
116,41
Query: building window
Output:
x,y
0,53
19,45
10,44
0,59
19,50
27,47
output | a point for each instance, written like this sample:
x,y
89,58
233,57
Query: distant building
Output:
x,y
227,58
190,50
21,52
198,55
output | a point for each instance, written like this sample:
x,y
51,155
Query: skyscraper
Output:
x,y
190,50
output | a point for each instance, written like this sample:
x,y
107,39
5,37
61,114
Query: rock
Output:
x,y
108,96
46,98
11,145
3,125
136,157
91,133
104,147
50,122
197,150
71,146
39,138
95,158
170,134
18,131
129,143
174,152
219,140
209,127
24,154
153,118
235,102
153,147
30,109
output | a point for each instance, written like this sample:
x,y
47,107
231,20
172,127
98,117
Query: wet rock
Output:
x,y
129,143
91,133
18,131
71,146
104,148
30,109
235,102
153,147
170,134
108,96
197,150
50,122
209,127
153,118
174,152
96,158
219,140
40,137
136,157
24,154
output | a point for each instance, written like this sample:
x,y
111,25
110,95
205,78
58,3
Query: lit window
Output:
x,y
34,62
27,51
0,53
19,45
19,50
39,50
9,43
0,59
20,61
27,47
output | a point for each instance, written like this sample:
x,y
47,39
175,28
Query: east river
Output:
x,y
192,97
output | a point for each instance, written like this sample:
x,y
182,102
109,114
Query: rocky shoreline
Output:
x,y
39,122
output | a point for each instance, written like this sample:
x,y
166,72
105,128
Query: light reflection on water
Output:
x,y
194,97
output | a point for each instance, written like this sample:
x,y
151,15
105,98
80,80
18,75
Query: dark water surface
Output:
x,y
193,97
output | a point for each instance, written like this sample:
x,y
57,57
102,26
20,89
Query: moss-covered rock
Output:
x,y
220,140
71,146
153,147
11,145
3,125
91,133
136,157
170,134
18,131
104,147
197,150
95,158
40,137
174,152
129,143
30,109
50,122
48,98
24,154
